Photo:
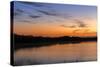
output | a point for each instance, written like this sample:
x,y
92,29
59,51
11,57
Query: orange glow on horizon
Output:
x,y
53,30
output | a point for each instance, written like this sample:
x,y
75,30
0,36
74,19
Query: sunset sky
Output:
x,y
53,20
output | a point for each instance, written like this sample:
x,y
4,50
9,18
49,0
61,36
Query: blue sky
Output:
x,y
73,17
38,11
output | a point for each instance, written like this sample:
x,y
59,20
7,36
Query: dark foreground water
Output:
x,y
57,53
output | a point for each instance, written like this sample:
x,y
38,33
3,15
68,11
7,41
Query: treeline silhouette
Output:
x,y
22,41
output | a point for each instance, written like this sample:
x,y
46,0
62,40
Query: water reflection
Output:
x,y
56,53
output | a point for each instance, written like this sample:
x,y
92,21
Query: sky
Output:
x,y
54,20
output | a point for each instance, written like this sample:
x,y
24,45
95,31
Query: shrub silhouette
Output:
x,y
21,41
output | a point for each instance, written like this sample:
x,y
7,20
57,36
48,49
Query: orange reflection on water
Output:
x,y
84,51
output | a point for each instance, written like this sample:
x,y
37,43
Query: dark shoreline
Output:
x,y
21,41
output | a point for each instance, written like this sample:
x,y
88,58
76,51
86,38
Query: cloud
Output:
x,y
83,30
47,12
73,26
76,30
34,4
57,14
76,23
80,23
41,11
34,16
26,21
37,10
18,12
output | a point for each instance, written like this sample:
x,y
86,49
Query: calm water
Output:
x,y
57,53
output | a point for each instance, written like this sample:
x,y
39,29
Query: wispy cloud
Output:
x,y
51,12
35,11
73,26
27,21
76,30
47,13
34,4
75,23
34,16
81,30
39,12
18,12
80,23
